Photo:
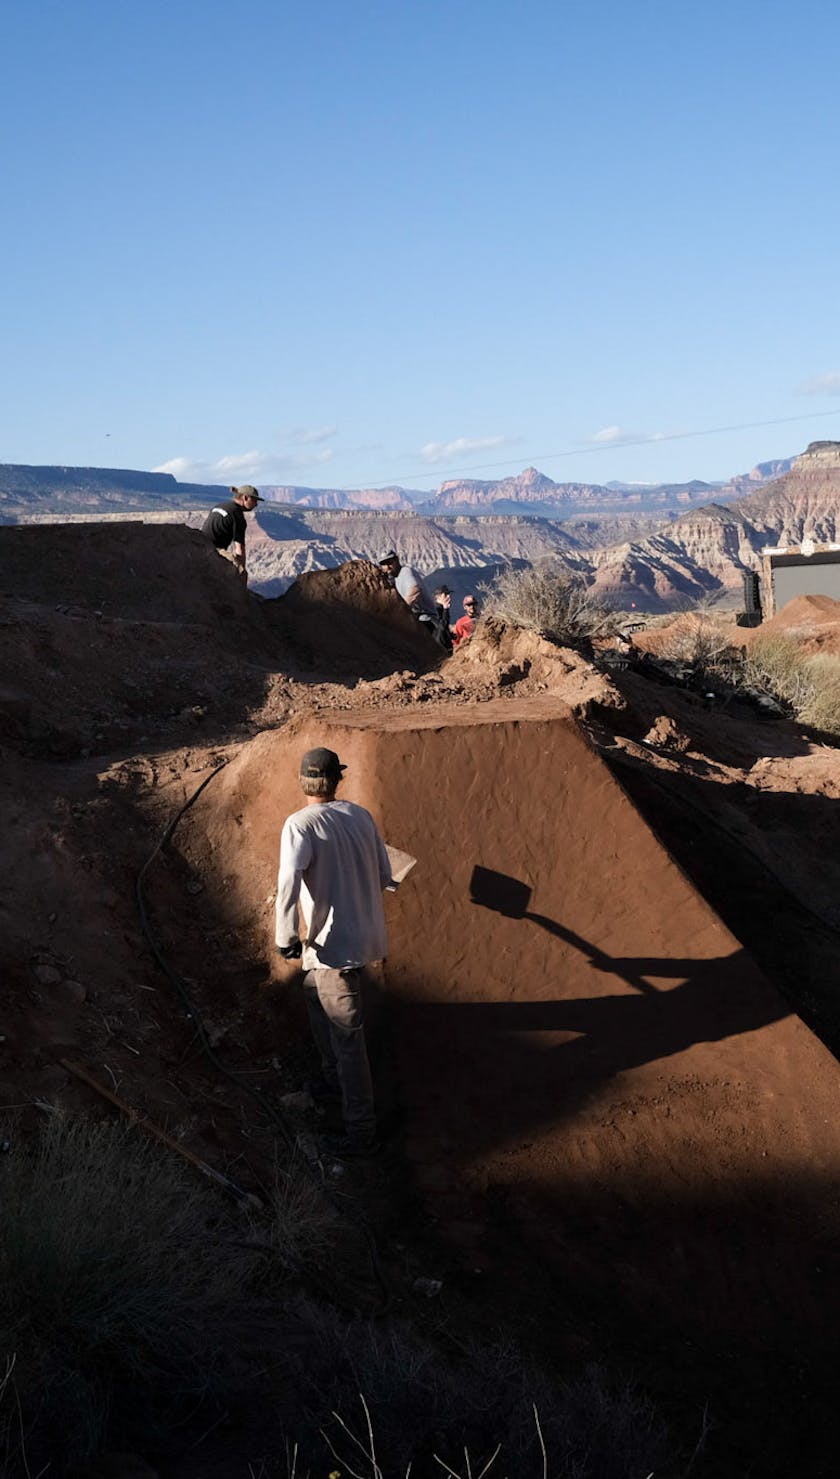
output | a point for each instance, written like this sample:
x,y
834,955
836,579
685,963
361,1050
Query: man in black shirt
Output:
x,y
225,525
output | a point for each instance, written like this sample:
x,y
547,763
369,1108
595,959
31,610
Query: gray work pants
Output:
x,y
336,1015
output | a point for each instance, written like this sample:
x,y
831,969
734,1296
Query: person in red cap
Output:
x,y
334,866
465,625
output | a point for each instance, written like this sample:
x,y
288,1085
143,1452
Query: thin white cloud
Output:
x,y
821,385
615,436
619,436
245,467
178,467
305,436
434,452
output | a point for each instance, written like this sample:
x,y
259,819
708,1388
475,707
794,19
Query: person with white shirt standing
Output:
x,y
334,866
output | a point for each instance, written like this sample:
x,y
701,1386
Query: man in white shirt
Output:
x,y
408,584
333,863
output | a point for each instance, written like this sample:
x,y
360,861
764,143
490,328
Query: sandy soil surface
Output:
x,y
610,1128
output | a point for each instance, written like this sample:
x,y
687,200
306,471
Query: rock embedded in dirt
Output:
x,y
427,1287
513,672
667,734
46,974
75,990
299,1099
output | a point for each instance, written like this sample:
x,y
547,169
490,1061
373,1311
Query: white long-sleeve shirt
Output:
x,y
334,863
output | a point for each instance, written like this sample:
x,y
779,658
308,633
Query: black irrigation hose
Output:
x,y
278,1117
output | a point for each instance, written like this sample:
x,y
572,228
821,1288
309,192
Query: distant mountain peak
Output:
x,y
531,477
821,454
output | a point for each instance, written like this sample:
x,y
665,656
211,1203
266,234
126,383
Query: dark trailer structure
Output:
x,y
799,570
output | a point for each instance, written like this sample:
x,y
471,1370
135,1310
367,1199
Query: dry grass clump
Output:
x,y
304,1227
698,638
822,710
118,1287
777,662
548,601
135,1313
809,684
385,1402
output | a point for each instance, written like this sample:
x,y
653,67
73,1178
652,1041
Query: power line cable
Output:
x,y
672,436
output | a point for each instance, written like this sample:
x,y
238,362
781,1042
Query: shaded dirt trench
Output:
x,y
603,1101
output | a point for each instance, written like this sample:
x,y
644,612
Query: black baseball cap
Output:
x,y
247,490
320,763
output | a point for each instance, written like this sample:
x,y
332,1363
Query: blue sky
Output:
x,y
349,242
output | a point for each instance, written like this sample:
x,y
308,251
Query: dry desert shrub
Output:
x,y
822,710
302,1229
134,1309
422,1411
698,638
118,1289
778,663
808,684
552,602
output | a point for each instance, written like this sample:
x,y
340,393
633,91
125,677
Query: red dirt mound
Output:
x,y
128,572
350,620
516,660
813,621
124,632
117,631
804,609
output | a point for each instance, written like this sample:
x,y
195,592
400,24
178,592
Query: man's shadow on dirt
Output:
x,y
479,1055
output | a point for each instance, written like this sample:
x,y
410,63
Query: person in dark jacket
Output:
x,y
225,525
441,628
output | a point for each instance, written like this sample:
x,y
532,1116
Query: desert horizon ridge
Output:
x,y
529,489
633,557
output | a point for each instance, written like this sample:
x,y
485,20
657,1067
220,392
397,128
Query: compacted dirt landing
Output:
x,y
604,1101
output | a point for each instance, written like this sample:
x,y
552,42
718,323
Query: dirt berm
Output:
x,y
618,1140
121,632
579,1039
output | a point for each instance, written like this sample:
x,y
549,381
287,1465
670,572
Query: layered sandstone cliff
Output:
x,y
708,550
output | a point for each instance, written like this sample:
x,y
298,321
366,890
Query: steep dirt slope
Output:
x,y
121,633
586,1056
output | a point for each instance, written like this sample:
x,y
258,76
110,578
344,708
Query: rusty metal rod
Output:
x,y
245,1198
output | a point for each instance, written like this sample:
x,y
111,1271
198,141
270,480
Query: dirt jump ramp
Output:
x,y
584,1053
